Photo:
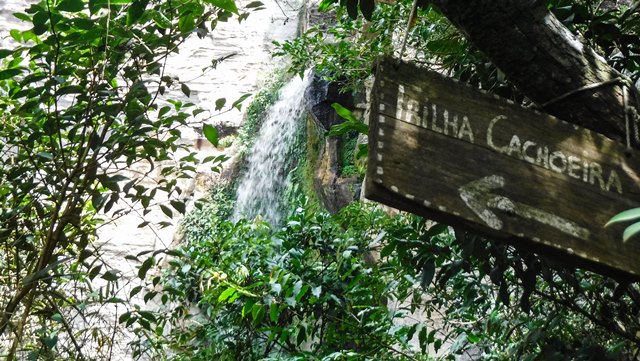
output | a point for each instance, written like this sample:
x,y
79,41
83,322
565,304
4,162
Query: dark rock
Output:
x,y
320,95
335,192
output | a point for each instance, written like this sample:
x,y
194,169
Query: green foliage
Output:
x,y
562,312
80,105
351,123
312,291
257,110
302,292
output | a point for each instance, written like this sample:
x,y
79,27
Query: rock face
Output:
x,y
320,95
333,190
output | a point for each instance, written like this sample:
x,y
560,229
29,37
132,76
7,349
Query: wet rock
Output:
x,y
320,95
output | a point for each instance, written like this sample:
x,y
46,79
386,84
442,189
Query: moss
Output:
x,y
257,110
349,165
305,154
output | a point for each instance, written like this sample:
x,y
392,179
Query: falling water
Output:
x,y
260,187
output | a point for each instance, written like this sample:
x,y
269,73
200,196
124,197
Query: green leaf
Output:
x,y
166,210
226,294
435,230
346,127
228,5
352,9
344,112
71,5
387,250
211,133
220,103
274,313
363,151
135,11
179,206
162,21
238,103
50,341
630,231
628,215
186,23
5,52
366,8
10,73
428,271
16,34
45,155
110,275
185,89
254,4
144,268
473,338
325,5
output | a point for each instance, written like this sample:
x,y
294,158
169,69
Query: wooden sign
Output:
x,y
451,153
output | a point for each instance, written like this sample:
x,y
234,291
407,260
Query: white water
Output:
x,y
260,188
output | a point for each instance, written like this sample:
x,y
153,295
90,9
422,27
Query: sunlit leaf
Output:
x,y
211,133
630,231
628,215
228,5
71,5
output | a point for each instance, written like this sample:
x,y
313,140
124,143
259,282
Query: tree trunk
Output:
x,y
544,60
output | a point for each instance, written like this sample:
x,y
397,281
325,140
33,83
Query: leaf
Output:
x,y
10,73
325,5
5,52
135,11
628,215
226,294
45,155
111,275
428,271
346,127
363,151
352,9
220,103
366,8
630,231
254,4
50,341
71,5
185,89
344,112
162,21
473,338
388,249
228,5
179,206
144,268
238,103
166,211
211,133
134,291
273,312
436,230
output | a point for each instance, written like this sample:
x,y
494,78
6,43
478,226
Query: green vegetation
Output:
x,y
79,106
257,109
312,290
303,292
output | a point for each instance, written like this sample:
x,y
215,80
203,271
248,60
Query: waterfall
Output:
x,y
259,189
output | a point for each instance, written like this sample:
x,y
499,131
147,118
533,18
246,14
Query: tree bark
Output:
x,y
541,57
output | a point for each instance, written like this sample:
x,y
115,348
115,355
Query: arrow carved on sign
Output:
x,y
478,196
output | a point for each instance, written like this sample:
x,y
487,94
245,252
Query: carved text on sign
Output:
x,y
456,155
